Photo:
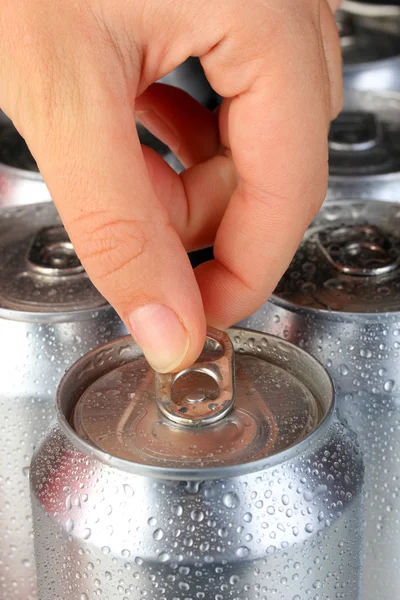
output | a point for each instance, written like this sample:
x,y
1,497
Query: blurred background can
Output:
x,y
49,315
340,300
190,77
364,147
20,180
266,501
370,52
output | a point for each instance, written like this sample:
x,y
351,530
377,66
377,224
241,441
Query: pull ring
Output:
x,y
196,409
358,250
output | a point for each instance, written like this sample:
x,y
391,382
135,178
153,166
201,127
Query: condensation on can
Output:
x,y
49,315
340,300
267,501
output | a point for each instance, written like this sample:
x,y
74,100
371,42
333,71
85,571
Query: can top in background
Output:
x,y
348,262
224,416
363,45
39,270
364,147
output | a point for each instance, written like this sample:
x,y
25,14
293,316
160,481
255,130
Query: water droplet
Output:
x,y
164,557
242,552
158,534
177,510
128,490
389,385
197,515
69,525
231,500
248,517
343,370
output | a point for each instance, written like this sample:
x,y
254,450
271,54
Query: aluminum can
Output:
x,y
49,315
340,300
20,180
364,149
232,480
370,53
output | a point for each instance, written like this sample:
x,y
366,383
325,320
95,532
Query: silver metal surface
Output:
x,y
364,148
283,523
20,180
370,52
47,320
351,323
198,409
368,9
190,77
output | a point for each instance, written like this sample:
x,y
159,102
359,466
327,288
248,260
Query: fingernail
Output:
x,y
155,124
161,336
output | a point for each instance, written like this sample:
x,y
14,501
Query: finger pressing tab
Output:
x,y
119,228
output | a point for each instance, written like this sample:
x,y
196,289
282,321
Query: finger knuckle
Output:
x,y
109,245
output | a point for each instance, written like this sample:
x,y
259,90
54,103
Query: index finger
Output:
x,y
277,129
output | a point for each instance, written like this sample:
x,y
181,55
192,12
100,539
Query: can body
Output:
x,y
291,527
361,352
364,162
36,349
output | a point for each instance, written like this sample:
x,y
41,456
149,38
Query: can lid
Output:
x,y
39,269
364,139
349,260
14,151
278,396
363,45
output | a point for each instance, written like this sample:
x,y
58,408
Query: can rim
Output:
x,y
176,473
370,10
375,63
22,173
357,179
51,317
332,315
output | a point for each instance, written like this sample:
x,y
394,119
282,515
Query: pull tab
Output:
x,y
52,254
196,409
355,132
361,250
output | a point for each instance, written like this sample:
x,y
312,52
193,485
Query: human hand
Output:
x,y
74,76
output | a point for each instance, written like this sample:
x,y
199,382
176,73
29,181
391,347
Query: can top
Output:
x,y
348,261
14,151
39,269
277,398
363,45
364,139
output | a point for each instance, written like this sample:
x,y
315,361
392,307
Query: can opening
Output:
x,y
194,387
